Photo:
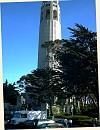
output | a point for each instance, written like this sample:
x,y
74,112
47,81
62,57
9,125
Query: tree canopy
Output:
x,y
77,58
10,93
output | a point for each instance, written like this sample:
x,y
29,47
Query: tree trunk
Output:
x,y
50,104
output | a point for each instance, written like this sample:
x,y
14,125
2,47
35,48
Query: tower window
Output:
x,y
55,14
48,14
54,5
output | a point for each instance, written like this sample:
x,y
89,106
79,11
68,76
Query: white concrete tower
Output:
x,y
50,30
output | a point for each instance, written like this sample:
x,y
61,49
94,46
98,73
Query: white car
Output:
x,y
40,122
50,125
22,116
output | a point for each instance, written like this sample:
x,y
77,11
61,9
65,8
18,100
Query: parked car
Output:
x,y
61,121
45,121
28,124
23,115
65,122
50,125
33,124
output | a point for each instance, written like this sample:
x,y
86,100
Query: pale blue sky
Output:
x,y
20,32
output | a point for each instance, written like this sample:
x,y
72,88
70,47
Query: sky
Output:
x,y
20,32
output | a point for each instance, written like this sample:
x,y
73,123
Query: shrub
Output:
x,y
90,111
74,117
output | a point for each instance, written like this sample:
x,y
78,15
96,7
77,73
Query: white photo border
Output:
x,y
1,74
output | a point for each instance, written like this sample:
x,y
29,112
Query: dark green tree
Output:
x,y
42,85
77,58
79,61
10,93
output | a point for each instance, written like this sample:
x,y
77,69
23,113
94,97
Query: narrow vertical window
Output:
x,y
55,14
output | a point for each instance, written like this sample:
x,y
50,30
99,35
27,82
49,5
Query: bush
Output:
x,y
78,120
92,112
74,117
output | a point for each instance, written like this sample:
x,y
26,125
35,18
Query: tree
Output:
x,y
79,61
10,93
42,85
77,57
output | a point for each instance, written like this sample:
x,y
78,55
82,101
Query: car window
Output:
x,y
23,115
29,121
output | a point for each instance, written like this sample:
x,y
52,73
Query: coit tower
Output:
x,y
50,30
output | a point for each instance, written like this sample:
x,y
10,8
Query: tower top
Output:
x,y
50,10
54,1
45,3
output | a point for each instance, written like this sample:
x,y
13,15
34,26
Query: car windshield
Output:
x,y
16,115
23,115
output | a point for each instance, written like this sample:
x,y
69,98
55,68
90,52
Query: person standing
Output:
x,y
70,123
66,122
